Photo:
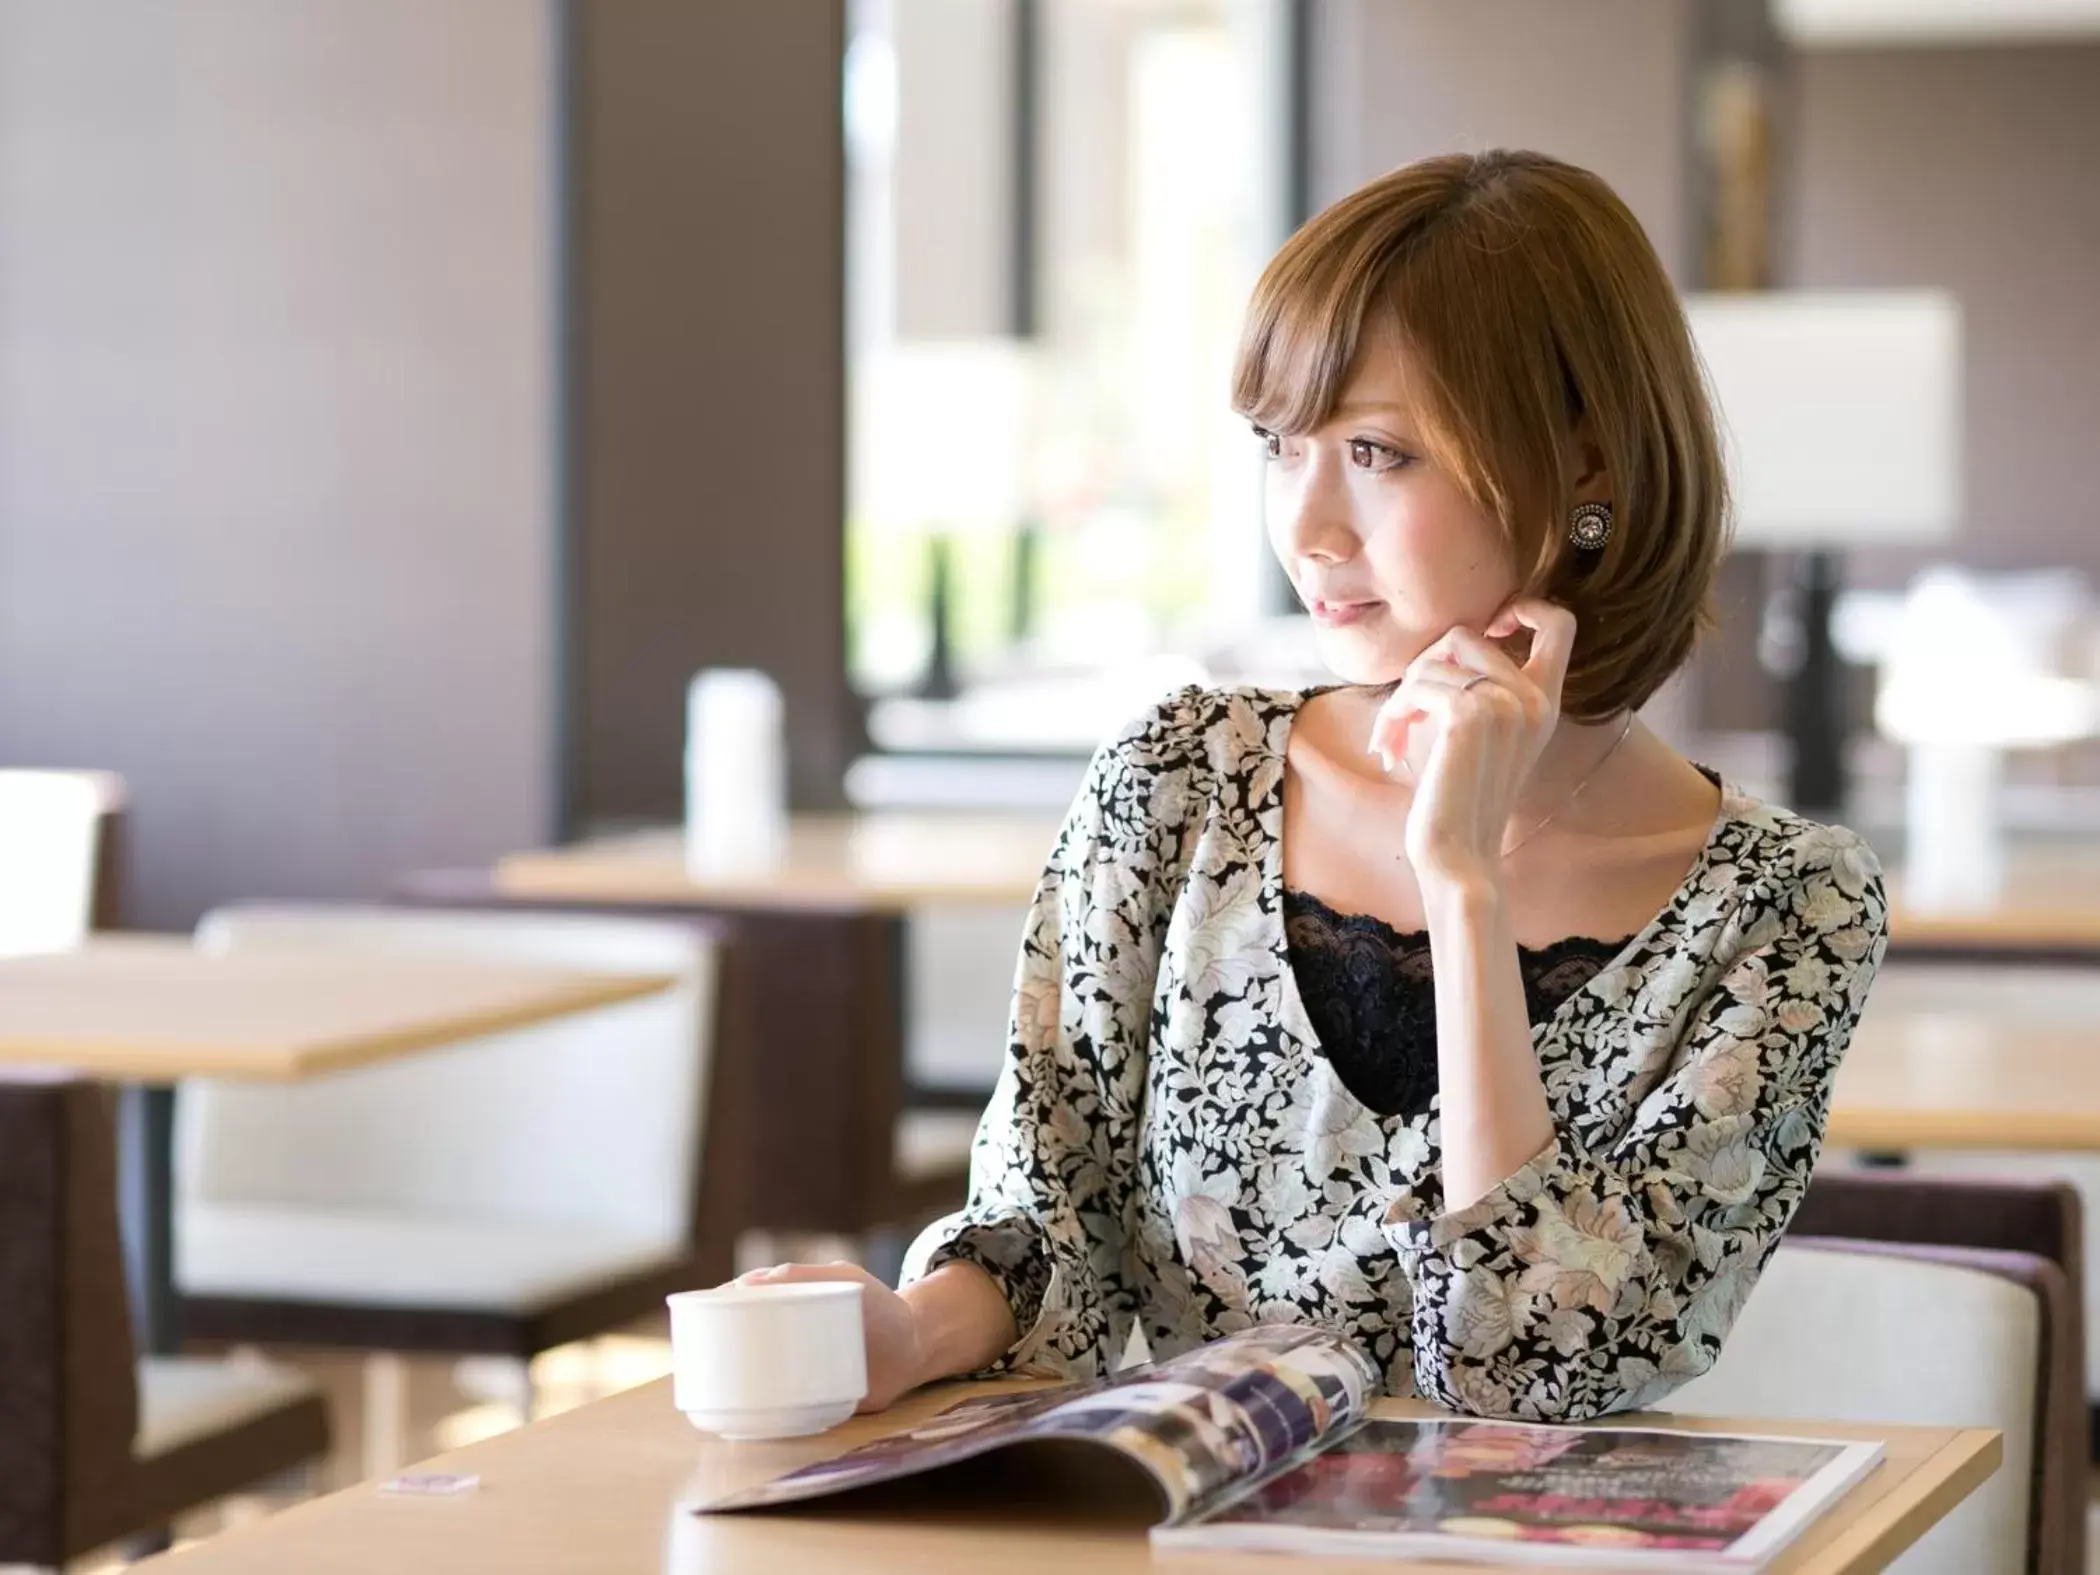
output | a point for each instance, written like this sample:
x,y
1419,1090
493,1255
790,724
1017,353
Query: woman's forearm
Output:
x,y
960,1322
1494,1115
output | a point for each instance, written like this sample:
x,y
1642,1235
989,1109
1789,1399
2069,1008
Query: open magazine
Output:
x,y
1261,1440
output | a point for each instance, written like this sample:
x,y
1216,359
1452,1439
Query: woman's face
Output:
x,y
1384,548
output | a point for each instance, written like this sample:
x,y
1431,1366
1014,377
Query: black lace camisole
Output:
x,y
1371,1000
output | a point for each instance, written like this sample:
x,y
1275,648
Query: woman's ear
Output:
x,y
1591,482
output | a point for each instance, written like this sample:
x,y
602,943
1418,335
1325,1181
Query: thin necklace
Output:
x,y
1576,792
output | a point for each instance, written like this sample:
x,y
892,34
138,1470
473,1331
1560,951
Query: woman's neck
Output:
x,y
1575,753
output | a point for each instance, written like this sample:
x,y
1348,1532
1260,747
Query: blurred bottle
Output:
x,y
735,772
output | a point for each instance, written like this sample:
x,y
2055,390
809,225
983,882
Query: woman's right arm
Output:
x,y
1015,1279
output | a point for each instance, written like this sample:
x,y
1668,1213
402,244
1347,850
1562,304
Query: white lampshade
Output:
x,y
940,435
1884,23
1840,414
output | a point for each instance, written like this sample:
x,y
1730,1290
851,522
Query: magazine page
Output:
x,y
1513,1491
1200,1424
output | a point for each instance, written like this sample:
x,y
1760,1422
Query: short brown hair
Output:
x,y
1529,301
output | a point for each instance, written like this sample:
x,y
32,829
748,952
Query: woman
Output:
x,y
1446,1006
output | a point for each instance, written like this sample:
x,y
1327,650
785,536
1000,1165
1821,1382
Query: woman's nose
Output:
x,y
1310,515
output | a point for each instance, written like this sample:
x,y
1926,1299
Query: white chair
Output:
x,y
959,990
500,1196
2080,1171
959,985
1920,1336
53,856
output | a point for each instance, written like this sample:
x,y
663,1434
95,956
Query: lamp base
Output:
x,y
1815,710
1954,842
938,681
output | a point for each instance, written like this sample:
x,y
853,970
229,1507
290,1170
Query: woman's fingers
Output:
x,y
1461,647
1552,638
1429,692
797,1273
1456,662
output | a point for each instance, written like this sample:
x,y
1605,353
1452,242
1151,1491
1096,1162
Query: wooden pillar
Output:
x,y
705,404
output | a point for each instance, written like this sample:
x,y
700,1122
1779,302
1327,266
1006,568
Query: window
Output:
x,y
1058,208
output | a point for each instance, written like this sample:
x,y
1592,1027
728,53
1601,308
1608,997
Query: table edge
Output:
x,y
1886,1128
1912,1507
173,1061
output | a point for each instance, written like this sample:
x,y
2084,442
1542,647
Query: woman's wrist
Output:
x,y
1461,897
959,1322
915,1358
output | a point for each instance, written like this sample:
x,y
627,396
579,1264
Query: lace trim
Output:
x,y
1369,993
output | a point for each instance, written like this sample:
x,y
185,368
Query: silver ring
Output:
x,y
1477,678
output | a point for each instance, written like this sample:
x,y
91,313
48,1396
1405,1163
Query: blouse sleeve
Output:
x,y
1054,1161
1599,1277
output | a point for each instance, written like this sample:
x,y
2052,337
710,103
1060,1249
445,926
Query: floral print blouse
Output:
x,y
1168,1147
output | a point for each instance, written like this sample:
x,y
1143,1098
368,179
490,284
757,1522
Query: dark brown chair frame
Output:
x,y
69,1405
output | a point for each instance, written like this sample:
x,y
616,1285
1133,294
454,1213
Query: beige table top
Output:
x,y
891,861
2051,899
151,1009
603,1490
1991,1074
1974,1074
885,862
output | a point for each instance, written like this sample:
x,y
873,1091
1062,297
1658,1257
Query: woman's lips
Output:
x,y
1337,613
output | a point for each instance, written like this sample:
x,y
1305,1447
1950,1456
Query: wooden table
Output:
x,y
603,1491
154,1008
876,863
825,931
2049,911
146,1011
891,861
1973,1056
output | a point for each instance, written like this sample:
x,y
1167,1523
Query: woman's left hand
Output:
x,y
1491,720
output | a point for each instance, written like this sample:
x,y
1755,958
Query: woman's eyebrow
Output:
x,y
1365,407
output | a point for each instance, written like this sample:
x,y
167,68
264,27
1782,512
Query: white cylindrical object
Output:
x,y
735,771
1954,855
768,1361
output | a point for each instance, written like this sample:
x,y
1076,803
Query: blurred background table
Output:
x,y
152,1008
2048,911
1975,1055
882,862
145,1011
846,941
891,861
608,1489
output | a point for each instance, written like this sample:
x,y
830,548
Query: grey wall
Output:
x,y
708,402
1600,84
276,381
1974,169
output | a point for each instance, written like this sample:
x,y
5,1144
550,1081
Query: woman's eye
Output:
x,y
1368,455
1271,443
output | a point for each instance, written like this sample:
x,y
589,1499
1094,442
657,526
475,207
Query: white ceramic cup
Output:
x,y
768,1361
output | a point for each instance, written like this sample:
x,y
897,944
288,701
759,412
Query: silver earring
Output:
x,y
1589,525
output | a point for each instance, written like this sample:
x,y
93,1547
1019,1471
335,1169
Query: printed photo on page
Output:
x,y
1629,1497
